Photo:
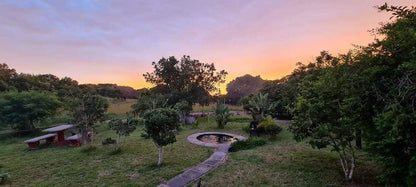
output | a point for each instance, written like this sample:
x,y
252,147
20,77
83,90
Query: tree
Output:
x,y
88,110
22,109
188,78
389,74
243,86
147,102
123,127
222,115
324,116
184,108
6,76
162,125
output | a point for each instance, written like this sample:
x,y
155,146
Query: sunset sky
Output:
x,y
116,41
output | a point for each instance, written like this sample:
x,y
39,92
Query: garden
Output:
x,y
339,120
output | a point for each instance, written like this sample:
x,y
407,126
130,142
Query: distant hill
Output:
x,y
128,92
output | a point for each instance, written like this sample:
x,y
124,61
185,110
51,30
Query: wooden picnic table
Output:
x,y
34,142
60,131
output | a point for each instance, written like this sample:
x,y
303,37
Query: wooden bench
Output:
x,y
34,142
76,139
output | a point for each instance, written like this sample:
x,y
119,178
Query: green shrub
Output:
x,y
108,141
269,127
222,115
248,144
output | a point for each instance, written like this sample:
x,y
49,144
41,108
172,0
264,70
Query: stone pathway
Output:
x,y
219,157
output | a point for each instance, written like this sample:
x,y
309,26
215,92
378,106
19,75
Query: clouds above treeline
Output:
x,y
116,41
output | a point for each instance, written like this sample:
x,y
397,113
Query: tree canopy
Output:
x,y
186,79
22,109
162,125
366,93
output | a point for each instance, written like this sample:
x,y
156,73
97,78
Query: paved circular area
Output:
x,y
194,138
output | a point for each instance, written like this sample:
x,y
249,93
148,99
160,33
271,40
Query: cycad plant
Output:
x,y
222,115
259,105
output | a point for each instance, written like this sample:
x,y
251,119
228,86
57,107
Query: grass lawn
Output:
x,y
211,107
280,162
120,107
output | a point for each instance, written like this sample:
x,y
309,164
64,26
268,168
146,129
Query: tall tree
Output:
x,y
22,109
88,110
6,76
187,78
389,69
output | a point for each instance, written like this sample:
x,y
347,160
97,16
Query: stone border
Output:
x,y
194,138
216,159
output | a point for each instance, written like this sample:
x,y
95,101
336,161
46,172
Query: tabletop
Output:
x,y
58,128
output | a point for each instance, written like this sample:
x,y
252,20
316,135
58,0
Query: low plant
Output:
x,y
248,144
5,179
222,115
123,127
108,141
269,127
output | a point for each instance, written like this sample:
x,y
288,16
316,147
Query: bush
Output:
x,y
108,141
269,127
248,144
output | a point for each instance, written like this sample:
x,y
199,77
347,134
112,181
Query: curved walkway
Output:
x,y
217,158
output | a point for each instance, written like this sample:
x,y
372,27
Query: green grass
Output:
x,y
210,108
120,107
279,162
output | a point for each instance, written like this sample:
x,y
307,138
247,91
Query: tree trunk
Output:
x,y
160,155
348,169
351,168
118,142
84,135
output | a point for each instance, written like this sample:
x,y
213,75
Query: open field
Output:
x,y
280,162
120,107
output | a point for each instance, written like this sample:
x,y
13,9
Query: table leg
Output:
x,y
61,138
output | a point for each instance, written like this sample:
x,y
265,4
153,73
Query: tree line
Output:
x,y
364,98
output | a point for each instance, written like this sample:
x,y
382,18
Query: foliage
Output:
x,y
88,110
22,109
162,125
269,127
222,115
258,105
5,179
147,102
123,127
243,86
186,79
184,108
369,93
108,141
6,77
323,117
248,144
